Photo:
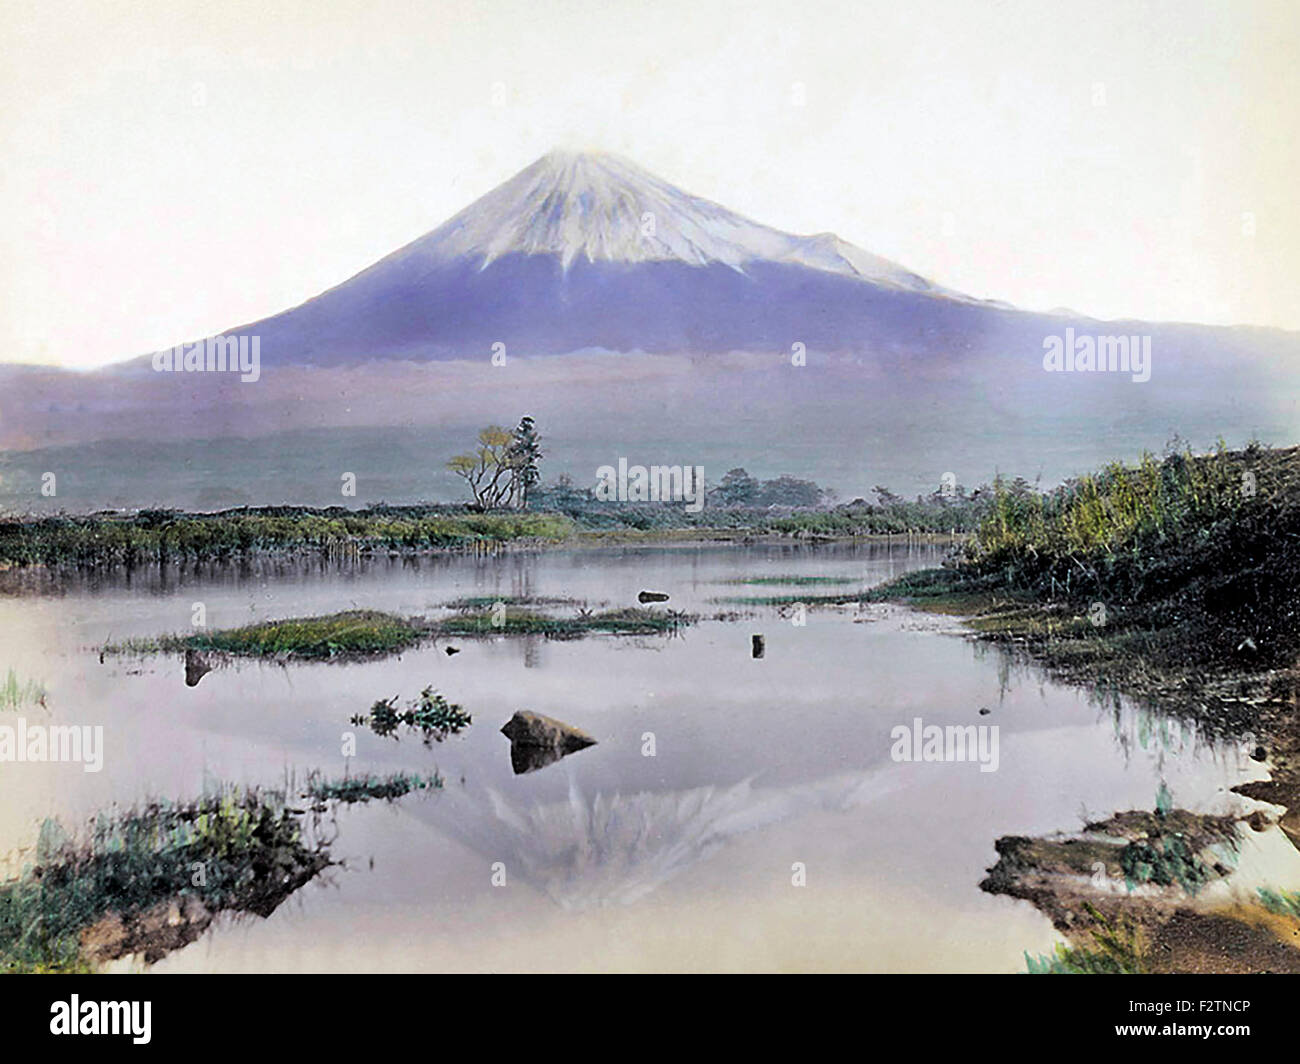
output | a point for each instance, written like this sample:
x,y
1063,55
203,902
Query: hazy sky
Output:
x,y
176,168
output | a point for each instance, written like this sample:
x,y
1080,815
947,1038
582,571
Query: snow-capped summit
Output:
x,y
604,208
587,250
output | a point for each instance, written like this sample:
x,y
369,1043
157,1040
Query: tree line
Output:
x,y
503,472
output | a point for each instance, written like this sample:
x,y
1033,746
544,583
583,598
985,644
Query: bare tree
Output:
x,y
488,469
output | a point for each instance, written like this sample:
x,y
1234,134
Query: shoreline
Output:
x,y
1145,913
121,543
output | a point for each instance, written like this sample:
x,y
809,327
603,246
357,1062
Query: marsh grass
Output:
x,y
789,581
478,602
353,633
353,789
1192,556
629,620
1281,902
786,600
249,844
362,634
346,635
154,536
946,590
1116,949
16,694
807,598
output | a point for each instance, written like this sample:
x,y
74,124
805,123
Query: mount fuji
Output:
x,y
639,321
588,250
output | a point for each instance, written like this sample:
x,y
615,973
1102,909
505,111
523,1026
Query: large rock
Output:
x,y
537,741
534,729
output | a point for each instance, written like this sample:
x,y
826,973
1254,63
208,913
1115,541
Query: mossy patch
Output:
x,y
350,634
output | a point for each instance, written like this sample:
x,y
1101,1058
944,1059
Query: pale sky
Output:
x,y
175,168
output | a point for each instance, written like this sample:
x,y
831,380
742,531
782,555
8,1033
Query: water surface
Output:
x,y
718,781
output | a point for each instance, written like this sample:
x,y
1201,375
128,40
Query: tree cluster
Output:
x,y
502,470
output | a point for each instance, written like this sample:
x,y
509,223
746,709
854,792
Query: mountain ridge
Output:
x,y
557,256
719,338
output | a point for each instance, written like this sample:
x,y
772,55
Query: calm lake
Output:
x,y
736,813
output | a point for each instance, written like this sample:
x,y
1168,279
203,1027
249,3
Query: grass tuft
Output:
x,y
1116,949
16,694
354,789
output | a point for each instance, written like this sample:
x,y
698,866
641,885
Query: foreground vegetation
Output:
x,y
1172,580
1196,551
152,879
1171,855
1187,563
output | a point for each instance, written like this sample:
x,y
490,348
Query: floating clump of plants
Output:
x,y
431,715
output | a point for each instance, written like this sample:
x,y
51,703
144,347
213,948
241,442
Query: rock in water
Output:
x,y
534,729
537,741
196,667
652,596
